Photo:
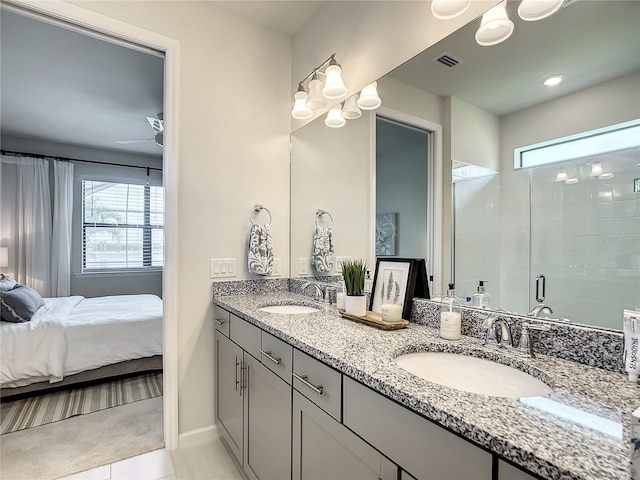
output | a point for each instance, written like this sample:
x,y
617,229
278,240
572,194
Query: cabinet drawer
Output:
x,y
422,447
221,319
244,334
319,383
277,356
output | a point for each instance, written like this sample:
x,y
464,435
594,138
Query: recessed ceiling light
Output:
x,y
606,176
552,80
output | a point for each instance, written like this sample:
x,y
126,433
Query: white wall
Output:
x,y
608,103
233,119
93,285
475,135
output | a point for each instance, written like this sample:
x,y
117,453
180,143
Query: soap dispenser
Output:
x,y
450,316
481,297
341,295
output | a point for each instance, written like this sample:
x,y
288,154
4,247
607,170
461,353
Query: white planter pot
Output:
x,y
356,305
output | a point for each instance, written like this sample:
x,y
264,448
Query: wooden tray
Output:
x,y
375,320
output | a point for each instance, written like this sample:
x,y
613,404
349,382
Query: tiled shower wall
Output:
x,y
584,237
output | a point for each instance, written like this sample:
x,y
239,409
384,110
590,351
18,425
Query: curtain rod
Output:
x,y
67,159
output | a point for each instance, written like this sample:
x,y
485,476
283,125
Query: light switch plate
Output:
x,y
275,267
303,266
222,267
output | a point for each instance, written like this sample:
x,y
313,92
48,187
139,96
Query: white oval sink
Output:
x,y
471,374
289,309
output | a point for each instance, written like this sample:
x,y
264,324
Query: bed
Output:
x,y
76,339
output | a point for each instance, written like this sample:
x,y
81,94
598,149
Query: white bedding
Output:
x,y
72,334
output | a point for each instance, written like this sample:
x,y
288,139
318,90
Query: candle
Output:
x,y
450,325
340,300
391,313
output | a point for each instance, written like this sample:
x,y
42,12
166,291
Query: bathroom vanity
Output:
x,y
313,395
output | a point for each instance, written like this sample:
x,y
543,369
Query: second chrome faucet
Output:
x,y
505,341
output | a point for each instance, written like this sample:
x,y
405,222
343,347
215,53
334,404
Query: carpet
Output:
x,y
83,442
52,407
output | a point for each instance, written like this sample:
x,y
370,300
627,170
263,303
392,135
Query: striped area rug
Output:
x,y
34,411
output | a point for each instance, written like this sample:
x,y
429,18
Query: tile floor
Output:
x,y
208,461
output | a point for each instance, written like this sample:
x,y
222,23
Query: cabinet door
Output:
x,y
229,393
323,449
507,472
267,448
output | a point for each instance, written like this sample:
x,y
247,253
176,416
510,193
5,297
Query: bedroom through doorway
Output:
x,y
82,166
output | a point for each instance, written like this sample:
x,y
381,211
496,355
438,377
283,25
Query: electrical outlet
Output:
x,y
303,266
275,267
338,263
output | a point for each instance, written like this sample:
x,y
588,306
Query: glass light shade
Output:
x,y
446,9
334,87
532,10
495,27
350,110
596,169
369,99
316,101
562,176
334,118
300,109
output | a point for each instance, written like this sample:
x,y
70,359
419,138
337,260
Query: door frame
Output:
x,y
103,25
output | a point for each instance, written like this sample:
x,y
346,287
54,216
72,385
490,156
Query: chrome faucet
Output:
x,y
525,347
506,340
317,295
539,309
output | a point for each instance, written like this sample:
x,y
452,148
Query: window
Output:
x,y
122,226
595,142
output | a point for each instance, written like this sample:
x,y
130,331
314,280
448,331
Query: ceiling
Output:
x,y
67,87
588,41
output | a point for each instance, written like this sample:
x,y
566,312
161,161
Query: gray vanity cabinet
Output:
x,y
324,449
508,472
229,402
267,446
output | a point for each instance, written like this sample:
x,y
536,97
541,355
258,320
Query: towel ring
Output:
x,y
257,209
320,213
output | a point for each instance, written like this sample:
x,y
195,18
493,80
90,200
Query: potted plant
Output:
x,y
354,272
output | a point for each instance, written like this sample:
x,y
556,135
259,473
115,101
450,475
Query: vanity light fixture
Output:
x,y
571,181
596,169
332,88
533,10
334,117
605,176
369,98
496,26
350,110
447,9
552,80
562,176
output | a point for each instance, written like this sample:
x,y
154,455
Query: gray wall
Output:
x,y
93,285
401,184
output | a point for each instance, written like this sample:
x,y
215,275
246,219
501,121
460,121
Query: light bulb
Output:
x,y
300,109
316,101
495,27
369,99
334,87
334,117
596,169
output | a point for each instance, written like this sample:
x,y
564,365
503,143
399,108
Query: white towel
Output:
x,y
323,256
260,254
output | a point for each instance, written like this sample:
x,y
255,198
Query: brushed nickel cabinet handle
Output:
x,y
303,379
219,322
273,359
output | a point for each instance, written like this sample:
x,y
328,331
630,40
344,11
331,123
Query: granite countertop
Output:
x,y
587,438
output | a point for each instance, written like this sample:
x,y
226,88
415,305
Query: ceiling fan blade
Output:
x,y
126,142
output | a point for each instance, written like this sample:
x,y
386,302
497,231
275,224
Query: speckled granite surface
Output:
x,y
550,445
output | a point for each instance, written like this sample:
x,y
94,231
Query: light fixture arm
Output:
x,y
329,61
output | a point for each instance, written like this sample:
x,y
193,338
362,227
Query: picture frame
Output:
x,y
398,281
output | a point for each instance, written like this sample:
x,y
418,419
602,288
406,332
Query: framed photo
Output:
x,y
386,233
397,281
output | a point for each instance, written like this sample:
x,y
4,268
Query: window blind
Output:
x,y
122,226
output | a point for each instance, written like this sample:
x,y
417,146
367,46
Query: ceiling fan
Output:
x,y
157,125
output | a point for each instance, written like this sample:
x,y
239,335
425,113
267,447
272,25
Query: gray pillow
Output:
x,y
19,304
6,283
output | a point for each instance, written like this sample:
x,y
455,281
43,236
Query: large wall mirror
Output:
x,y
490,101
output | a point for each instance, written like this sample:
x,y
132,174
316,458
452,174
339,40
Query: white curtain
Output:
x,y
61,234
33,225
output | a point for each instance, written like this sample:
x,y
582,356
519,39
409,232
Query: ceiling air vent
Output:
x,y
447,60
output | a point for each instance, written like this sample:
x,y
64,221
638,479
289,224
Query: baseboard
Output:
x,y
198,436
